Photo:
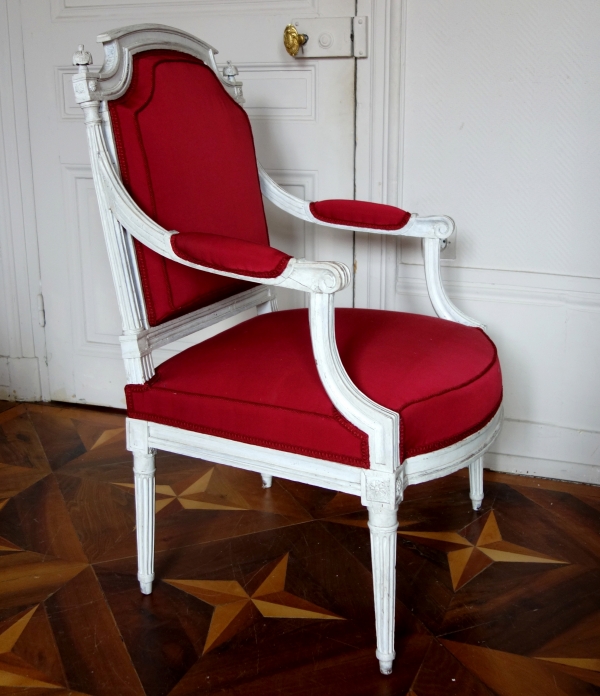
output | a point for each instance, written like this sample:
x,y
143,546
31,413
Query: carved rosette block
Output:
x,y
476,482
380,487
382,526
137,356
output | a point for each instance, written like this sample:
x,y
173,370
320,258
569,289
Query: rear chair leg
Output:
x,y
267,480
476,481
383,525
143,470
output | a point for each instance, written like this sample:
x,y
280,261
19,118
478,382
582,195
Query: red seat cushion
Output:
x,y
187,158
258,383
360,214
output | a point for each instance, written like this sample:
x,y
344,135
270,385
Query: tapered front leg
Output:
x,y
476,482
143,471
267,480
383,525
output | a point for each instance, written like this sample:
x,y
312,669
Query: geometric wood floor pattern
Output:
x,y
269,591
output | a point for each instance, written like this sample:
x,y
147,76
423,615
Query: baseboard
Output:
x,y
4,374
549,451
544,468
20,379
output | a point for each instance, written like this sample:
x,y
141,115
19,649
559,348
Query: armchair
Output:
x,y
361,401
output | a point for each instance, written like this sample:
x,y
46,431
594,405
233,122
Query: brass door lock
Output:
x,y
330,37
292,40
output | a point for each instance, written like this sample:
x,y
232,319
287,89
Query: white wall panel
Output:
x,y
501,129
580,374
93,9
280,91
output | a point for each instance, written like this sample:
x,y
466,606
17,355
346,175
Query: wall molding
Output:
x,y
379,145
88,339
512,294
304,71
70,10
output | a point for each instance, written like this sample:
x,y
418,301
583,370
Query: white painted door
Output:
x,y
302,113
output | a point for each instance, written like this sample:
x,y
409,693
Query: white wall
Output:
x,y
502,132
22,366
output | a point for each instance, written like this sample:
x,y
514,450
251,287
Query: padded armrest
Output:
x,y
230,254
360,214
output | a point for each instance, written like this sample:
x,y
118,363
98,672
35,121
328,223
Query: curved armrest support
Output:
x,y
381,425
441,303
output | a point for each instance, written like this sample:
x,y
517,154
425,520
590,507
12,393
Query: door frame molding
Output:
x,y
23,371
379,145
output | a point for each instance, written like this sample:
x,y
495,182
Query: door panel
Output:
x,y
302,113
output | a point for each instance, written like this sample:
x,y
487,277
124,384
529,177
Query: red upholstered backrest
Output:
x,y
187,158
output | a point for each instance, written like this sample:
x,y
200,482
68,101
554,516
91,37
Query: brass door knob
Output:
x,y
292,40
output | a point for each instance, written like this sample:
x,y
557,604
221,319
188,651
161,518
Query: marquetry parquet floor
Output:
x,y
269,591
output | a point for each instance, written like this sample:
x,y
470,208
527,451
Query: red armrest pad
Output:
x,y
360,214
230,254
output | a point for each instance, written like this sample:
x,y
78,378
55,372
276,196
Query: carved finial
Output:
x,y
82,58
229,72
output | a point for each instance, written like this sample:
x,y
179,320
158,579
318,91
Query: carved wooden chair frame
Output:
x,y
381,486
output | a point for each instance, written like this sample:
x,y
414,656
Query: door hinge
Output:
x,y
359,32
41,310
332,37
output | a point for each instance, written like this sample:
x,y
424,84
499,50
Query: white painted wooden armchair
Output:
x,y
360,401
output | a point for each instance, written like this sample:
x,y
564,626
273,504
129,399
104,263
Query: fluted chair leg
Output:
x,y
383,525
143,471
476,482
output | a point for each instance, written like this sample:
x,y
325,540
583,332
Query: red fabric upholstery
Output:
x,y
258,383
360,214
187,158
230,254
